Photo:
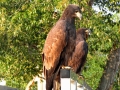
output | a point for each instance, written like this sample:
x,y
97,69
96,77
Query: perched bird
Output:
x,y
78,59
60,44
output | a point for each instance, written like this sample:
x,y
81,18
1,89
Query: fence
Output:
x,y
72,81
69,81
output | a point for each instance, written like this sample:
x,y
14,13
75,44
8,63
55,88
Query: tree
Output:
x,y
111,70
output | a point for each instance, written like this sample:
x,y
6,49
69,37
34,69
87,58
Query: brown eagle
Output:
x,y
60,44
81,49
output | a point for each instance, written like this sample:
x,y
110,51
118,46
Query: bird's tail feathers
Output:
x,y
49,82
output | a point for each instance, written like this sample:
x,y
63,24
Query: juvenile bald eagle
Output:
x,y
60,43
81,49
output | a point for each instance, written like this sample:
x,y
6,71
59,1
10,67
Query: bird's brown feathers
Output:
x,y
59,44
78,59
54,44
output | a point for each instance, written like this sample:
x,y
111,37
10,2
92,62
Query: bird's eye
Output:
x,y
76,11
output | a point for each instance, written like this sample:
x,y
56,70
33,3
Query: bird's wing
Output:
x,y
54,45
79,56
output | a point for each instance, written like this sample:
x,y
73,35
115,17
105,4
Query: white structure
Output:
x,y
3,85
40,82
2,82
72,81
69,81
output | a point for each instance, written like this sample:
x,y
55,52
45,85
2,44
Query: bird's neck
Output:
x,y
70,20
80,38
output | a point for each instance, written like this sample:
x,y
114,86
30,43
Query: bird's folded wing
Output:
x,y
54,45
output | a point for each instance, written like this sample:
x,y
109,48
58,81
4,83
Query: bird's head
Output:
x,y
76,11
84,32
87,33
73,11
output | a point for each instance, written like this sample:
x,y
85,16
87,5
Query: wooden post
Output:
x,y
71,81
65,79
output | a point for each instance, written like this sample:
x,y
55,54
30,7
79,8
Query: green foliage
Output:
x,y
94,68
24,26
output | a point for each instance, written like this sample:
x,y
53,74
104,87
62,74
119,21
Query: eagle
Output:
x,y
78,59
60,44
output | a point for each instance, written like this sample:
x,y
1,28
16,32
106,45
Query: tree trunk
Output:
x,y
111,69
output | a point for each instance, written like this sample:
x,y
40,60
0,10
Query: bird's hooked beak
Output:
x,y
79,15
88,31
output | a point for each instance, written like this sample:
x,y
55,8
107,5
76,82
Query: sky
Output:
x,y
116,16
